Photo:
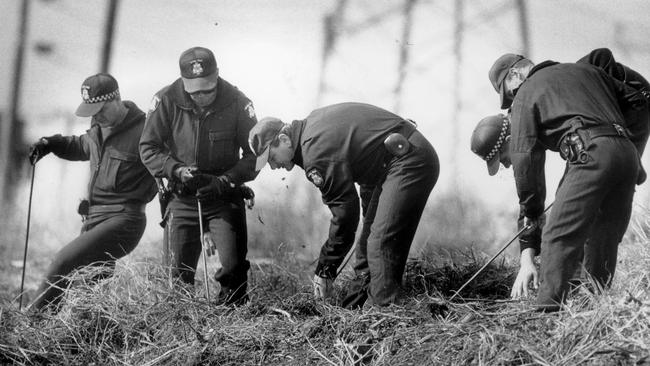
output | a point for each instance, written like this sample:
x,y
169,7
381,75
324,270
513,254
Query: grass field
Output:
x,y
138,318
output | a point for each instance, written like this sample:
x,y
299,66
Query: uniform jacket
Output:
x,y
177,135
554,99
340,145
117,175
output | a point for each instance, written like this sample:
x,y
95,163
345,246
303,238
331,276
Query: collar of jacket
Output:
x,y
296,132
540,66
226,94
132,116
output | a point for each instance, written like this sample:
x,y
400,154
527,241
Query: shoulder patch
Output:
x,y
250,110
315,177
155,101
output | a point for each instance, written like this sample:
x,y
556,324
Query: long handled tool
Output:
x,y
29,215
205,253
492,259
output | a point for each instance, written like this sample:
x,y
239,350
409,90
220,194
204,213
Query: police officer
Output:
x,y
491,142
343,144
120,186
196,137
572,109
637,120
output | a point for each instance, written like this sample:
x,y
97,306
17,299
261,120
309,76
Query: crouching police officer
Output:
x,y
491,142
195,131
572,109
396,167
119,188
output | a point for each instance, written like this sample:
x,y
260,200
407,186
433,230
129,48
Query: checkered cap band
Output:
x,y
103,98
500,140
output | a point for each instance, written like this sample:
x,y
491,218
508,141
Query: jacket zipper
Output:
x,y
198,138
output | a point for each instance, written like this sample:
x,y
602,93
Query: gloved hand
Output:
x,y
248,195
322,287
41,148
216,186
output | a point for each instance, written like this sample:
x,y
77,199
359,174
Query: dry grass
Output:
x,y
138,318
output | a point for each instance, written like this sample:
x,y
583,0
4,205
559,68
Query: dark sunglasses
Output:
x,y
199,93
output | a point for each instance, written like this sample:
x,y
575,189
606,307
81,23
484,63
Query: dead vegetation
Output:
x,y
138,318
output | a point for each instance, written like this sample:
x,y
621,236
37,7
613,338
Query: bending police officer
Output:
x,y
343,144
119,188
572,109
196,137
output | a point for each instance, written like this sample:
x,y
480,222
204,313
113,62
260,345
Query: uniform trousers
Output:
x,y
104,238
391,214
226,223
593,200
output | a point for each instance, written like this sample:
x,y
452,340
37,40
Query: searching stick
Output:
x,y
29,215
493,258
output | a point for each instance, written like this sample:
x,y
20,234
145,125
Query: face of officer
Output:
x,y
204,98
281,155
513,81
111,113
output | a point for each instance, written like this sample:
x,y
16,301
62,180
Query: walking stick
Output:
x,y
29,214
205,252
492,259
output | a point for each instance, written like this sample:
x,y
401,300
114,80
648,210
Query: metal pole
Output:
x,y
29,215
205,252
492,259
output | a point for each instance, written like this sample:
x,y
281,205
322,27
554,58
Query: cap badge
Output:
x,y
84,92
315,177
197,68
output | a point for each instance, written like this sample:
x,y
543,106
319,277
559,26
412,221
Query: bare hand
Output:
x,y
527,275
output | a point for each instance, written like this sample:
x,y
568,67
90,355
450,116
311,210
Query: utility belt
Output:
x,y
573,145
397,143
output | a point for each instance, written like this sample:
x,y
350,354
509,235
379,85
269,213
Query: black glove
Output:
x,y
191,185
246,192
216,186
42,147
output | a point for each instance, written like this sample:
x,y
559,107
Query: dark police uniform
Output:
x,y
574,109
343,144
177,135
119,188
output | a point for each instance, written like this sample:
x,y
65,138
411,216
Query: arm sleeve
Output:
x,y
341,197
529,240
244,169
153,151
528,159
74,148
